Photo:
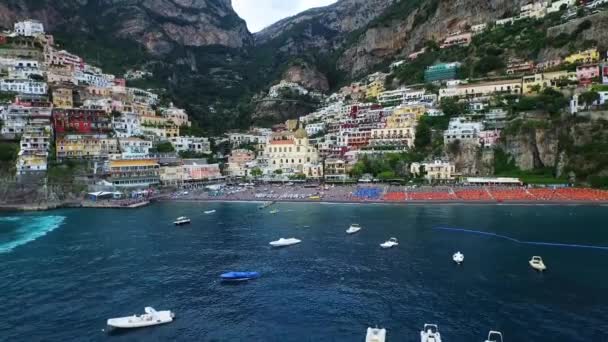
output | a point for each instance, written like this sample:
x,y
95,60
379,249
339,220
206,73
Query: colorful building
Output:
x,y
436,171
587,72
587,56
134,173
292,154
78,120
374,89
460,39
63,97
79,146
538,82
237,162
474,90
197,170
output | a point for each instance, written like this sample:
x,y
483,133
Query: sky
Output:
x,y
262,13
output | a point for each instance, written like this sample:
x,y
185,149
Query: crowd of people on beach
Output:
x,y
395,194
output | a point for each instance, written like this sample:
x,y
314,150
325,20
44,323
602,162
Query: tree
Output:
x,y
165,147
423,135
589,98
535,88
278,172
386,175
256,172
452,107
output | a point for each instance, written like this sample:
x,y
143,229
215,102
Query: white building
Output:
x,y
238,139
557,5
537,10
53,57
135,146
36,138
192,144
23,86
464,130
127,125
16,118
177,115
404,95
97,80
275,91
29,28
315,128
478,28
434,171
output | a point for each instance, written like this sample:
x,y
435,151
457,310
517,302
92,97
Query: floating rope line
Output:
x,y
552,244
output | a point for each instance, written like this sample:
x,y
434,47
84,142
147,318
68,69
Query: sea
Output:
x,y
63,273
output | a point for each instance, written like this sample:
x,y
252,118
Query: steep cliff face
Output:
x,y
307,76
407,25
159,25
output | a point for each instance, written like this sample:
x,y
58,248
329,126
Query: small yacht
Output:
x,y
494,336
537,263
430,333
274,211
354,228
392,242
182,221
209,212
458,258
375,335
285,242
150,318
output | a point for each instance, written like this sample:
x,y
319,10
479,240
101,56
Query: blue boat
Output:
x,y
239,276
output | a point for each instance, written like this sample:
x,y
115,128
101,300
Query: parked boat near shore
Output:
x,y
375,335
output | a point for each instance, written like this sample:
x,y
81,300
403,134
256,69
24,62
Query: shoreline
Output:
x,y
72,205
400,203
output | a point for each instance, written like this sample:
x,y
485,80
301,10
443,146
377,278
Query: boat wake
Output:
x,y
28,229
551,244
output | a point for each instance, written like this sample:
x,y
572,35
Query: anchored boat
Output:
x,y
354,228
494,336
208,212
458,258
392,242
430,333
150,318
537,263
285,242
375,335
180,221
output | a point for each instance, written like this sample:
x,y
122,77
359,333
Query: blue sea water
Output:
x,y
65,272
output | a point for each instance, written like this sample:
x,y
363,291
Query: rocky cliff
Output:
x,y
159,25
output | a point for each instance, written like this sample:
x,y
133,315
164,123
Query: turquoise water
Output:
x,y
65,272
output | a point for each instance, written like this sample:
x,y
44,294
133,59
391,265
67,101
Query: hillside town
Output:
x,y
61,109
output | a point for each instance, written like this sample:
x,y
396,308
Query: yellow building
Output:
x,y
172,175
85,147
152,120
142,109
400,131
546,80
587,56
417,110
139,173
374,89
30,162
292,154
63,97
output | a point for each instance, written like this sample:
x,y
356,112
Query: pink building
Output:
x,y
120,82
488,139
461,39
199,170
241,157
587,72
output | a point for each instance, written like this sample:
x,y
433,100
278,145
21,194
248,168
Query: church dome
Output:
x,y
301,133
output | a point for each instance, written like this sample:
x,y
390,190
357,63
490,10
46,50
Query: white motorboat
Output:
x,y
537,263
285,242
354,228
375,335
275,211
494,336
430,333
150,318
208,212
392,242
180,221
458,258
